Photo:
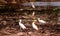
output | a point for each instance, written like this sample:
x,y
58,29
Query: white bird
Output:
x,y
34,26
21,25
41,21
33,13
32,3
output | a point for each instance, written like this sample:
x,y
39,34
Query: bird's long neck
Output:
x,y
33,22
20,21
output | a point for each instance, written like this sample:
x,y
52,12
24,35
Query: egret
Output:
x,y
21,24
41,21
32,3
34,26
33,13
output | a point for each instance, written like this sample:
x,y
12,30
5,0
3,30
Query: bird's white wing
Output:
x,y
42,21
22,26
34,26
